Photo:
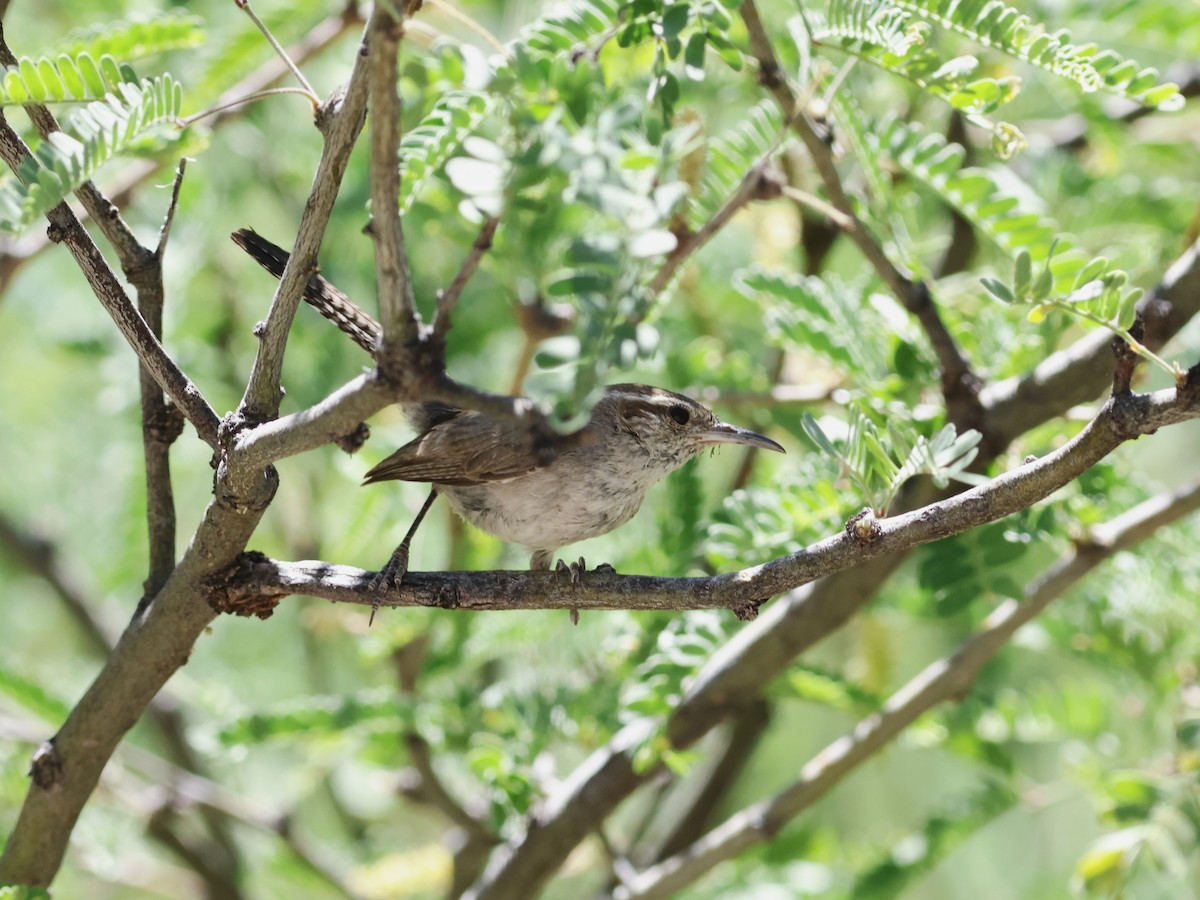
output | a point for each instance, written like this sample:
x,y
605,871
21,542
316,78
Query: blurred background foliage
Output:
x,y
1071,766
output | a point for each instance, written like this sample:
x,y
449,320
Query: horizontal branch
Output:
x,y
1124,417
942,680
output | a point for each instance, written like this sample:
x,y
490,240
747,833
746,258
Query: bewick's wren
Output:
x,y
492,477
495,475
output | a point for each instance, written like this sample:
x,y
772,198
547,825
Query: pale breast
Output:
x,y
578,496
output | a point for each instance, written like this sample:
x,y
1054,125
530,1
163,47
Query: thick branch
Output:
x,y
946,679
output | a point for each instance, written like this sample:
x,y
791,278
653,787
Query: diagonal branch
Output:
x,y
447,299
946,679
66,228
340,121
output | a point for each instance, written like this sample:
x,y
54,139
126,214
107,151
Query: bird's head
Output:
x,y
670,428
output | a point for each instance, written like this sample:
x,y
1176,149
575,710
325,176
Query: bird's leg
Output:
x,y
392,574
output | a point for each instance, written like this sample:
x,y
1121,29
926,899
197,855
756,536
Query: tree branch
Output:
x,y
397,306
946,679
1124,417
447,299
340,120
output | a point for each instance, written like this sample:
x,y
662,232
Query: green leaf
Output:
x,y
90,137
693,56
66,78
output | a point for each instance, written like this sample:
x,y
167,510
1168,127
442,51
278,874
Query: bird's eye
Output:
x,y
679,413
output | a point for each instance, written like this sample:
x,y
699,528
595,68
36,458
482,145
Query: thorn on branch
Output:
x,y
46,768
1126,359
863,527
167,424
222,598
351,443
770,183
748,611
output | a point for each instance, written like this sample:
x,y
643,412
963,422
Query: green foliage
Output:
x,y
90,137
31,696
984,197
885,35
878,470
425,148
731,154
899,37
661,680
316,717
604,132
1008,30
23,892
983,564
1098,294
919,852
137,38
821,315
67,78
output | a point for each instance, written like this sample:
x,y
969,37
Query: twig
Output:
x,y
754,185
397,306
816,204
448,298
244,5
459,16
161,421
943,680
187,121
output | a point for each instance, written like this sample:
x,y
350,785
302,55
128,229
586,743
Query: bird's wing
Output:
x,y
466,449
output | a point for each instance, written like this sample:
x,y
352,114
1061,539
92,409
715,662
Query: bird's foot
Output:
x,y
390,577
576,570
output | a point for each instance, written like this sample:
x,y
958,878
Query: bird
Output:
x,y
494,475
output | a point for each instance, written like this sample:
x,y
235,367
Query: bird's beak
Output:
x,y
722,433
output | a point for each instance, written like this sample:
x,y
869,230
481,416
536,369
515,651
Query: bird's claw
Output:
x,y
576,570
390,577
